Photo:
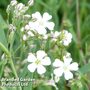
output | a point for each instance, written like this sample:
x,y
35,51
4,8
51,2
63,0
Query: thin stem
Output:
x,y
4,49
78,21
78,31
10,60
13,68
31,83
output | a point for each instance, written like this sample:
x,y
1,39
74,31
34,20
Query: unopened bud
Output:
x,y
30,2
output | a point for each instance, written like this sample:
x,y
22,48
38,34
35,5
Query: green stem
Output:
x,y
13,68
10,60
4,49
78,22
9,56
31,83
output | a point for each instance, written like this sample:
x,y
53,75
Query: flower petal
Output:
x,y
40,54
67,61
73,66
37,15
41,69
56,34
69,36
65,43
46,16
32,67
46,61
41,30
57,63
33,26
31,58
58,72
50,25
68,75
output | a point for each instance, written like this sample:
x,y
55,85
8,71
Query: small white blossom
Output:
x,y
65,68
30,33
38,62
55,35
66,37
27,27
41,23
24,37
67,56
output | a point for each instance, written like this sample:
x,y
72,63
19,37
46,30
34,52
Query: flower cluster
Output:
x,y
41,23
37,25
64,37
40,60
17,8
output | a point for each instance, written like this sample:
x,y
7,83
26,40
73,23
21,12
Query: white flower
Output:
x,y
24,37
27,27
66,37
55,35
67,56
38,62
30,33
65,68
27,35
41,23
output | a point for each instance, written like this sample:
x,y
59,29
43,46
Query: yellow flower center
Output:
x,y
37,62
63,36
41,23
65,68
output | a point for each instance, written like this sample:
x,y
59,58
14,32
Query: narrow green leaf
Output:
x,y
3,25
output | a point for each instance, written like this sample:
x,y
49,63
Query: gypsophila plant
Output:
x,y
36,50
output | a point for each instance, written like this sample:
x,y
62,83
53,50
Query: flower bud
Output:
x,y
30,2
13,3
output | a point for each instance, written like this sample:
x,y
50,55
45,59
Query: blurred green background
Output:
x,y
72,15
